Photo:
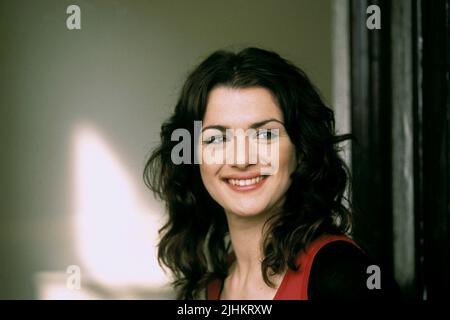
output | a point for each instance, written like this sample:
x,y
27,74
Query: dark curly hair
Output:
x,y
194,244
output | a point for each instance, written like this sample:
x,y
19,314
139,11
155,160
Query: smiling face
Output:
x,y
241,125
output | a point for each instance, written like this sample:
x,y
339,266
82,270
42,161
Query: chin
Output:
x,y
247,211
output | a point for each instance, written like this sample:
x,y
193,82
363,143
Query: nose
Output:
x,y
241,154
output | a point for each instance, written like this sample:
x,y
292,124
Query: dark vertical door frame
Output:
x,y
371,125
417,39
371,110
433,150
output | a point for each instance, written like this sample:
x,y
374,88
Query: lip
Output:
x,y
242,177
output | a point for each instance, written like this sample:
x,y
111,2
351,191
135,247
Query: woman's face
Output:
x,y
250,170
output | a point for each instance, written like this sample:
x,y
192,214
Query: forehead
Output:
x,y
239,107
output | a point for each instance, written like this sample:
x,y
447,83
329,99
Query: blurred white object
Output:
x,y
53,286
115,230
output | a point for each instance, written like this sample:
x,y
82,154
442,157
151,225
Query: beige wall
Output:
x,y
120,73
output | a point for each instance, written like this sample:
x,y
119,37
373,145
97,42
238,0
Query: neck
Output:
x,y
246,235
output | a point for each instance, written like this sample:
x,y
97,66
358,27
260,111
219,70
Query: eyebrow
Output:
x,y
252,126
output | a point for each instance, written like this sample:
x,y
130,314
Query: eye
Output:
x,y
217,139
266,134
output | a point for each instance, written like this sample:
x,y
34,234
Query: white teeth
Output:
x,y
245,182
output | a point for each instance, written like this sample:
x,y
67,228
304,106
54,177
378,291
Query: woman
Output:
x,y
245,222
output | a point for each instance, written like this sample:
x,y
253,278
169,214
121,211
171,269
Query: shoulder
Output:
x,y
213,289
340,271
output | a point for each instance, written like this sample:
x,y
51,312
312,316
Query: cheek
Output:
x,y
208,175
205,172
211,181
288,158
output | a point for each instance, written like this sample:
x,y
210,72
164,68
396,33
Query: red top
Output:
x,y
294,285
